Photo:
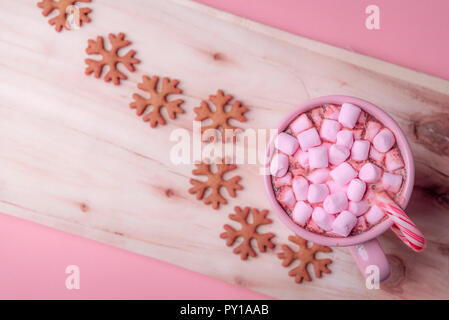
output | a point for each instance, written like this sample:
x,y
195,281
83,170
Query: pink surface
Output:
x,y
413,33
33,258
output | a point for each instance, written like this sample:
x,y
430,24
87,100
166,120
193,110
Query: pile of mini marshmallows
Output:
x,y
331,194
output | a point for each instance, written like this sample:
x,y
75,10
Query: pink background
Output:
x,y
33,258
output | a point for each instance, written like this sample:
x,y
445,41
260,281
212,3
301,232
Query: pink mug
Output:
x,y
364,247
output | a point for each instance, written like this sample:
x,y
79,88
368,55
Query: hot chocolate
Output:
x,y
329,164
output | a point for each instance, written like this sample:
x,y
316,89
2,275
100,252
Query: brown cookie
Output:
x,y
157,100
214,182
305,255
248,232
110,58
64,8
220,116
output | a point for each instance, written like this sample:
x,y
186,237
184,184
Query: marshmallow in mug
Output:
x,y
300,188
308,139
370,173
360,150
300,124
301,213
345,138
322,218
329,130
343,173
317,192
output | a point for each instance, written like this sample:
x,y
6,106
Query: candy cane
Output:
x,y
403,226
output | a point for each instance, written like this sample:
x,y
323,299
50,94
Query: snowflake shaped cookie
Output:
x,y
64,8
157,100
248,232
220,116
306,256
215,182
110,58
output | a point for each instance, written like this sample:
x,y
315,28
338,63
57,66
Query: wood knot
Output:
x,y
444,249
169,193
433,132
84,207
240,281
218,56
398,274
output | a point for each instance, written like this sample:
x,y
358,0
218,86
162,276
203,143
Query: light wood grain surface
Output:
x,y
73,156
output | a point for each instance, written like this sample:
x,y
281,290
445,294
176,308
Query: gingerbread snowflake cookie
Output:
x,y
215,182
64,8
306,256
221,115
110,58
248,232
157,100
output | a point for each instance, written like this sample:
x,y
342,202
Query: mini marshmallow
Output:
x,y
376,155
336,202
345,138
358,208
357,134
374,215
362,118
393,160
309,139
344,223
300,188
372,129
301,213
331,112
312,226
329,130
361,225
391,182
317,192
343,173
319,175
356,190
300,171
283,181
301,158
300,124
338,154
279,165
349,114
327,145
286,197
286,143
318,157
370,173
360,150
322,218
384,140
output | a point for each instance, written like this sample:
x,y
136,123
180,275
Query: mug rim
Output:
x,y
403,146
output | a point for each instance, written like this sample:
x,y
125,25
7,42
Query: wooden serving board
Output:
x,y
76,158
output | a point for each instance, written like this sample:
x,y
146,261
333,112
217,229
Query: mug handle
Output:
x,y
368,254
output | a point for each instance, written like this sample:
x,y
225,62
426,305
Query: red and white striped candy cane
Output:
x,y
403,226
